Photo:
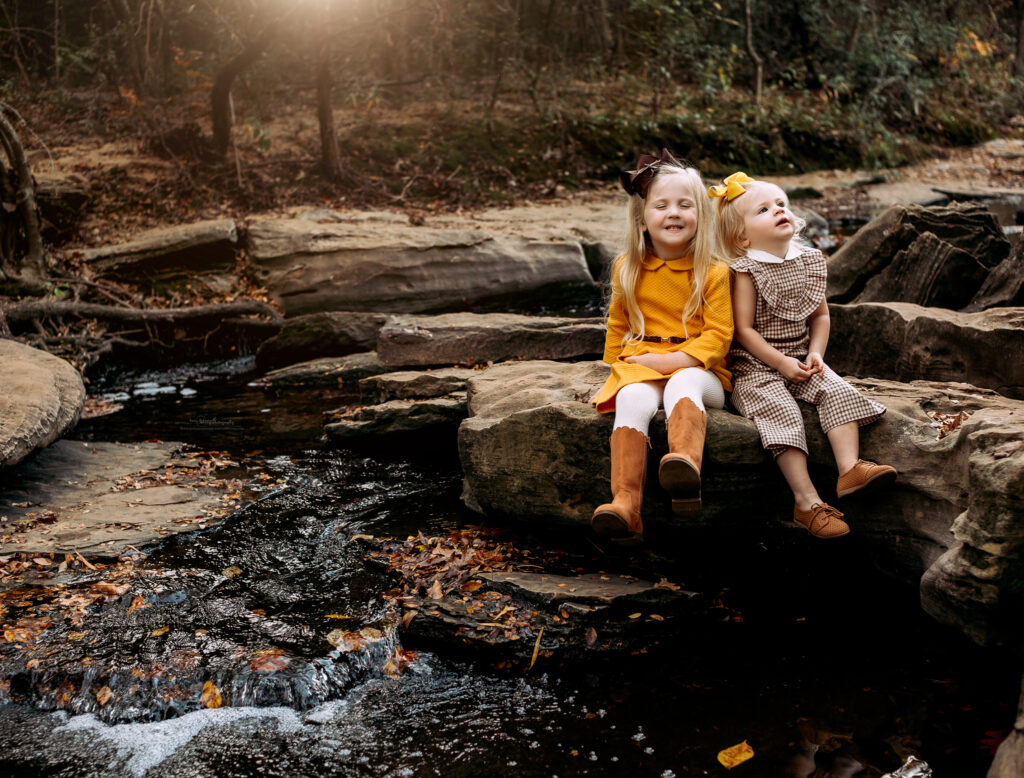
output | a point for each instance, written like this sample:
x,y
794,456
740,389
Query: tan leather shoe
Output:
x,y
864,475
822,521
620,519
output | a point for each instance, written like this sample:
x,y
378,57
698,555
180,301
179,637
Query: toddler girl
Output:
x,y
669,329
782,326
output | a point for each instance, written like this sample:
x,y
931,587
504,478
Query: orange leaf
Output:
x,y
104,695
160,631
434,592
211,697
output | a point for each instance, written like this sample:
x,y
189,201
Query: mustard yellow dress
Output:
x,y
662,289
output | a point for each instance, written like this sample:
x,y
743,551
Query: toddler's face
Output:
x,y
768,224
670,216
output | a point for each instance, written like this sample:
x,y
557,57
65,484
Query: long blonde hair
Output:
x,y
638,246
730,225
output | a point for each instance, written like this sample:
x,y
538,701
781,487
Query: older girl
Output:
x,y
669,329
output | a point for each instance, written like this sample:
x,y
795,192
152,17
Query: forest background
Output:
x,y
448,104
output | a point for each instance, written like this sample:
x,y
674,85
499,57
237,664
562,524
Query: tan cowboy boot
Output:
x,y
679,472
620,519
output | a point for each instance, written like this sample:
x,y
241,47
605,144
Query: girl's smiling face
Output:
x,y
768,224
670,217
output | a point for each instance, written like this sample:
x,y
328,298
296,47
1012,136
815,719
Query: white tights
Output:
x,y
636,404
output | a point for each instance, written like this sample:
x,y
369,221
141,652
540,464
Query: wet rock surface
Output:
x,y
100,499
343,373
473,338
396,417
41,397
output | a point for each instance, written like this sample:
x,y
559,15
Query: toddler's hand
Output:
x,y
814,363
793,369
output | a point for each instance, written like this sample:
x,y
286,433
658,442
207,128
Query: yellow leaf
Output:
x,y
104,695
231,572
211,697
635,615
735,755
76,635
160,631
336,616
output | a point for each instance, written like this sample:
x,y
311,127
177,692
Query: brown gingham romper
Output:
x,y
788,292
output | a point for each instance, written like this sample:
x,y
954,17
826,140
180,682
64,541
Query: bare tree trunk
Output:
x,y
32,264
221,92
123,14
758,62
1018,61
331,158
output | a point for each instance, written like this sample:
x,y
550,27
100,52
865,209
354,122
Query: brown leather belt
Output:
x,y
659,339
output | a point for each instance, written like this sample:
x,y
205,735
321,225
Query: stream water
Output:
x,y
828,666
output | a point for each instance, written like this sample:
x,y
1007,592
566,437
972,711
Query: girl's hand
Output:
x,y
793,369
815,364
664,363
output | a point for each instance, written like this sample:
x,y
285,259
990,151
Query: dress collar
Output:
x,y
771,259
652,262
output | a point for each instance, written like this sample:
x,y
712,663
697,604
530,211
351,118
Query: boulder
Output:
x,y
343,373
479,338
41,397
308,267
414,384
168,253
399,416
930,272
317,335
905,342
968,227
1009,761
533,447
1004,285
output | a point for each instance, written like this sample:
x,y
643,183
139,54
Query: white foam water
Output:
x,y
147,745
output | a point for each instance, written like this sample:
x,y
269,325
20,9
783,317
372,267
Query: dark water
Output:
x,y
820,646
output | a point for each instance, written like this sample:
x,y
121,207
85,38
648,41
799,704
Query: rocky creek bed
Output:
x,y
290,615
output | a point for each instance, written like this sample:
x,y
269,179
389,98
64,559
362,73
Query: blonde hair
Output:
x,y
730,224
638,246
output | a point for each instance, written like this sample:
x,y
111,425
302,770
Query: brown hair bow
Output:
x,y
638,181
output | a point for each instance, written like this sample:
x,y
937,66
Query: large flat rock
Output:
x,y
68,499
534,449
320,335
905,342
309,267
41,397
479,338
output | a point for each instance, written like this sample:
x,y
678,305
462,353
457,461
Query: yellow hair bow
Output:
x,y
733,186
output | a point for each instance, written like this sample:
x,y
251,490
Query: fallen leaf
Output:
x,y
231,572
104,695
337,616
536,647
471,586
211,697
735,755
160,631
656,617
138,603
407,618
76,635
42,561
635,615
107,587
434,592
591,636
